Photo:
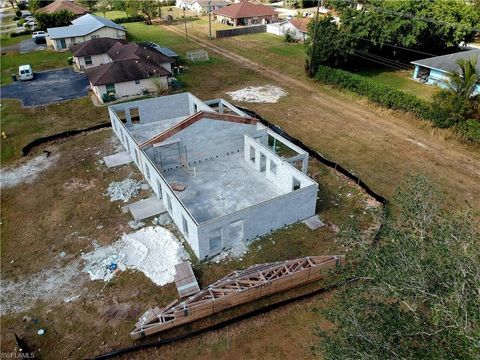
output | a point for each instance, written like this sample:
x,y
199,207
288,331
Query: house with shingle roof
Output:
x,y
126,78
437,70
201,6
245,13
82,29
118,69
59,5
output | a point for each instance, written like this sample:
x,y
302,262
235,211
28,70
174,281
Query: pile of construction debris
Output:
x,y
124,190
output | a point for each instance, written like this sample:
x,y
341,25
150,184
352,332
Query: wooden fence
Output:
x,y
254,29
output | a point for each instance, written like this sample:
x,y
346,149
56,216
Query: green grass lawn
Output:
x,y
40,60
141,32
114,14
402,80
23,125
6,40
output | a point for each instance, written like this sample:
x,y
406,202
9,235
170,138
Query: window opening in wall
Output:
x,y
128,146
88,60
195,108
110,88
273,167
185,225
137,156
295,184
215,240
252,153
121,116
263,162
169,203
159,189
137,82
135,115
147,172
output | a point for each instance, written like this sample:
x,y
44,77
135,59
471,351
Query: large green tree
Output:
x,y
398,30
147,8
418,294
58,18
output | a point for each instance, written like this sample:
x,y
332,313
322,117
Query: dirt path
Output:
x,y
380,145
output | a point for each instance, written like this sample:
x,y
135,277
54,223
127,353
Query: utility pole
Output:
x,y
209,20
185,22
315,34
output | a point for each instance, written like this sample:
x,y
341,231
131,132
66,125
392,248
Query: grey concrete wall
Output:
x,y
261,219
285,172
156,181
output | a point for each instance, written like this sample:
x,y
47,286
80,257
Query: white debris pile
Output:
x,y
258,94
27,172
123,190
153,250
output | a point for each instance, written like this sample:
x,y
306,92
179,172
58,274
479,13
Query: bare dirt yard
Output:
x,y
48,224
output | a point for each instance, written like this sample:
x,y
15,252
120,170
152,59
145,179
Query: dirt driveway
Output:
x,y
380,145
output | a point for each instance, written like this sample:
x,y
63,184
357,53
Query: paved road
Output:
x,y
48,87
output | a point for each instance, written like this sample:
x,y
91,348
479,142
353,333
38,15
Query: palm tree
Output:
x,y
464,81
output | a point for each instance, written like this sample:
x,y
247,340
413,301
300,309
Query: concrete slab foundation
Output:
x,y
146,208
314,222
117,159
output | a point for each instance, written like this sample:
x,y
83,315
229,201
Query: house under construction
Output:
x,y
223,177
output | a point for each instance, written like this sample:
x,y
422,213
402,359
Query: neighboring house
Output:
x,y
215,171
436,70
82,29
245,13
104,50
201,6
126,78
59,5
93,52
297,28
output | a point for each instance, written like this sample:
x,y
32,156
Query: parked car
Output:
x,y
40,40
31,24
25,72
26,14
289,17
41,34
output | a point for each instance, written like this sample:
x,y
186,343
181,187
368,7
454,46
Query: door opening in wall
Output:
x,y
252,154
159,189
236,232
215,241
135,115
263,162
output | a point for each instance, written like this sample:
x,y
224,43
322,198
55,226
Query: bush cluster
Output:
x,y
378,93
21,33
446,111
128,19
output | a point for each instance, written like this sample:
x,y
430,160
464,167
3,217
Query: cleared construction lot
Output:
x,y
65,209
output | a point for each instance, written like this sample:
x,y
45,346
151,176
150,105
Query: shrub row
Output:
x,y
378,93
21,33
128,19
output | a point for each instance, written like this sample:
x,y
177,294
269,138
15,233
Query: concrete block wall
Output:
x,y
284,174
158,184
260,219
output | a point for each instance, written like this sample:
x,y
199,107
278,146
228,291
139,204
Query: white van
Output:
x,y
25,72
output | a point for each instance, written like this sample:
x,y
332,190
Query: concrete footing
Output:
x,y
314,222
117,159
